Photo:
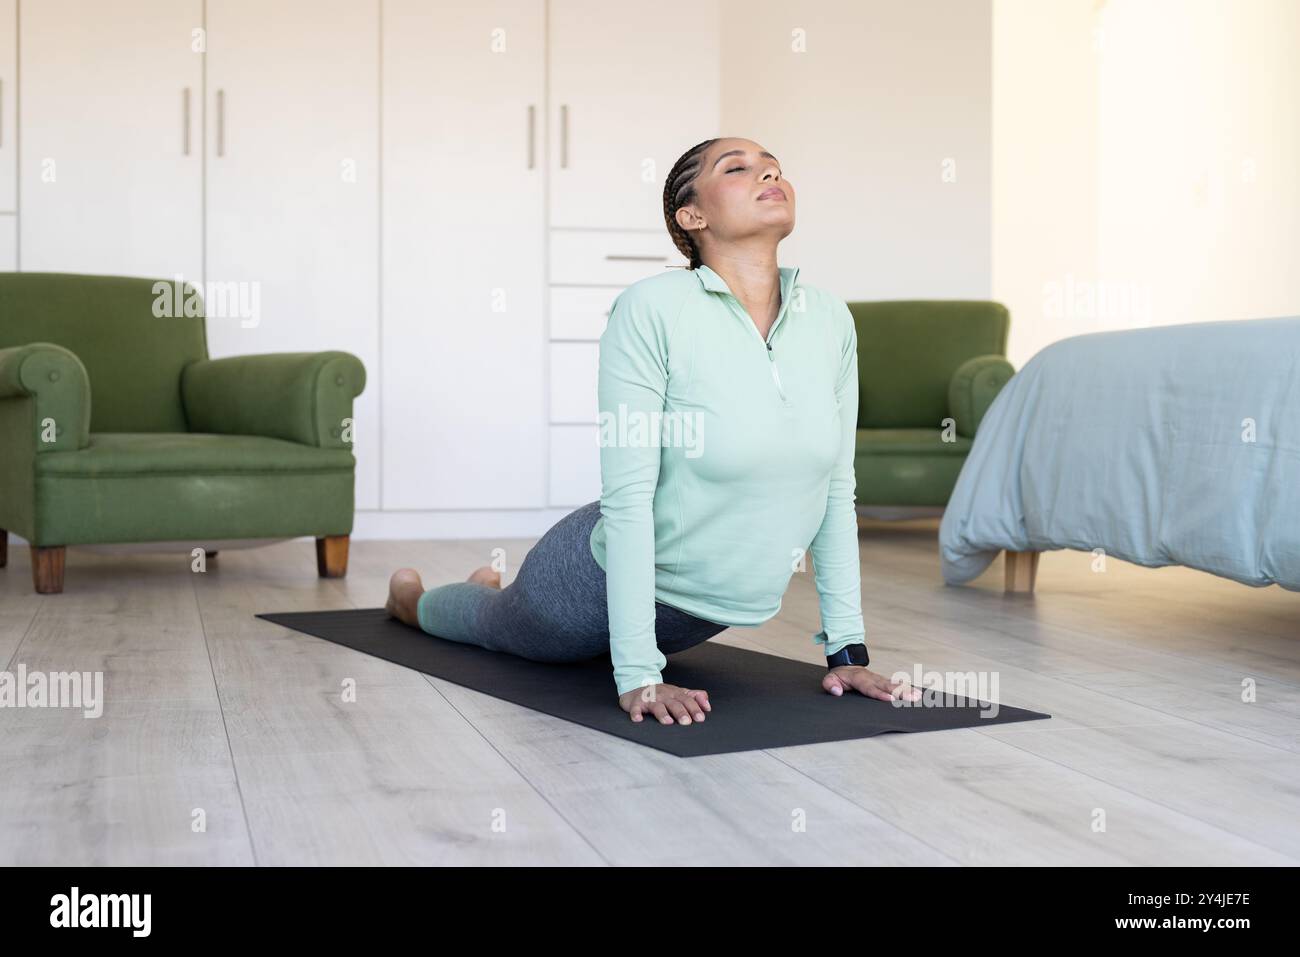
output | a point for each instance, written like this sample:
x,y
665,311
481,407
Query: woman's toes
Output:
x,y
404,591
404,579
486,575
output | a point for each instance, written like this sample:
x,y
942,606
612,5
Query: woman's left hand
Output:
x,y
859,679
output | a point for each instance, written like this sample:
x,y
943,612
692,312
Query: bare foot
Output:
x,y
404,591
486,576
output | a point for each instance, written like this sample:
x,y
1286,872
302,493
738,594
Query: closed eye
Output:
x,y
737,169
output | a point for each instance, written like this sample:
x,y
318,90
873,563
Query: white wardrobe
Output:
x,y
455,192
525,144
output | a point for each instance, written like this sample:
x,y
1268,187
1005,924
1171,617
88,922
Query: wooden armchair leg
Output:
x,y
1021,571
332,556
47,569
4,548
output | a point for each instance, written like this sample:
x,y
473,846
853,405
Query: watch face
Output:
x,y
852,655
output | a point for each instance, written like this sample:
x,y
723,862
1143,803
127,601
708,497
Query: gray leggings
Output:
x,y
555,609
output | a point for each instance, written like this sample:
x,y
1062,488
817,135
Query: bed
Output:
x,y
1176,445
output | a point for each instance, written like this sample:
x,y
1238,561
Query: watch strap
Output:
x,y
849,655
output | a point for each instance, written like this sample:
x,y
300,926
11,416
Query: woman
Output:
x,y
728,397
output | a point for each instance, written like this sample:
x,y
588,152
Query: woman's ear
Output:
x,y
689,218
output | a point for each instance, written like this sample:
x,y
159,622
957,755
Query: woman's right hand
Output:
x,y
668,703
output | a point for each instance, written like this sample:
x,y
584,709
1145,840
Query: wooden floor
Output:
x,y
1152,756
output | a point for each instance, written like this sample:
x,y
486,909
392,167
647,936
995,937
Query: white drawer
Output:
x,y
581,312
575,372
598,257
575,465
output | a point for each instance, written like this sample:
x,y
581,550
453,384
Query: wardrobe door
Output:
x,y
629,94
112,160
8,104
632,88
464,342
293,189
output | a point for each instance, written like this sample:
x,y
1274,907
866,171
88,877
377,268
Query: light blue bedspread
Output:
x,y
1177,445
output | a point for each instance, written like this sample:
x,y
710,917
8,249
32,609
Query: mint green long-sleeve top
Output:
x,y
726,461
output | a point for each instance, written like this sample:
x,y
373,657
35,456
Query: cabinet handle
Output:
x,y
645,259
532,135
221,122
564,136
185,121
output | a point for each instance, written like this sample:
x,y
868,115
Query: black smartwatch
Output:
x,y
849,655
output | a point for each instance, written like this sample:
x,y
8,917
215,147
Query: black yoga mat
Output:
x,y
759,701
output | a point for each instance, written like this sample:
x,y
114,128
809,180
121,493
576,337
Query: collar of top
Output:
x,y
711,281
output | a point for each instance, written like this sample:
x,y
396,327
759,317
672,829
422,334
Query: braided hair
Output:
x,y
679,190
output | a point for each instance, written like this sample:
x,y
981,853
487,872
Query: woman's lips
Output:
x,y
772,193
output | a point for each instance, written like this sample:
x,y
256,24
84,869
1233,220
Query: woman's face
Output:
x,y
740,193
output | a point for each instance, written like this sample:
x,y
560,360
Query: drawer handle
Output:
x,y
185,121
221,122
645,259
564,136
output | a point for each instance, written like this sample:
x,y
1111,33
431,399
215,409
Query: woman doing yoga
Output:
x,y
728,396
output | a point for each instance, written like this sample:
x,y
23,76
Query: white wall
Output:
x,y
864,101
1199,151
1044,163
1145,158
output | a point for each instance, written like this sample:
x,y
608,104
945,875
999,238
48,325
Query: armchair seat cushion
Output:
x,y
190,453
176,486
909,442
907,467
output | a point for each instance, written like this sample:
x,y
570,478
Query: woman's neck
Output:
x,y
755,282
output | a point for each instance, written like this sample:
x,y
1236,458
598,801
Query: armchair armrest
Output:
x,y
973,388
297,396
56,381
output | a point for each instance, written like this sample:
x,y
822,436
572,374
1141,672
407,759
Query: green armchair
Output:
x,y
115,426
927,373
